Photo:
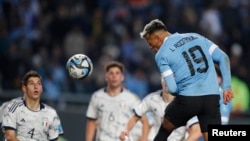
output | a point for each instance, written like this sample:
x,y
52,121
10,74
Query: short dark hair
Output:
x,y
153,26
112,64
31,73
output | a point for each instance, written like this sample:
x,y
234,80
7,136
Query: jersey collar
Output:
x,y
42,106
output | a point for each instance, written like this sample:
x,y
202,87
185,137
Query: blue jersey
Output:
x,y
186,62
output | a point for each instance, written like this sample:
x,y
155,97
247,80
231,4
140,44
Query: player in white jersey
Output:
x,y
154,104
186,63
28,119
111,107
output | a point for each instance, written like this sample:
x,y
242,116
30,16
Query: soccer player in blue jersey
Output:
x,y
186,62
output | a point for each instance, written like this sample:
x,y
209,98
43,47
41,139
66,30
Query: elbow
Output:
x,y
223,59
144,120
173,90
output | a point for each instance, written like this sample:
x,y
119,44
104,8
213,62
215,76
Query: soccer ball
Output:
x,y
79,66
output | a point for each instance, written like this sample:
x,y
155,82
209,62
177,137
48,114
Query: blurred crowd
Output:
x,y
43,34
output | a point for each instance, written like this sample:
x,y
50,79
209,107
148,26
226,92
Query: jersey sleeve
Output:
x,y
55,128
143,107
171,83
178,134
2,107
9,116
166,72
5,104
92,111
223,61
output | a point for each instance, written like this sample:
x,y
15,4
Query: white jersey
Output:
x,y
154,106
113,113
42,125
4,105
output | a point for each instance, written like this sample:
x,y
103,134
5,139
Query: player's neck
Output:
x,y
33,105
165,34
168,34
113,91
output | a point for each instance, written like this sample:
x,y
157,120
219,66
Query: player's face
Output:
x,y
114,77
154,41
33,89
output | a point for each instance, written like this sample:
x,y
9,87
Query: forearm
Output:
x,y
225,72
223,61
90,130
10,135
172,86
129,126
145,128
131,123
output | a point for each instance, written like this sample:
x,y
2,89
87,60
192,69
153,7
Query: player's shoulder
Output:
x,y
191,34
17,98
11,101
188,34
155,94
14,105
128,93
3,105
98,92
48,108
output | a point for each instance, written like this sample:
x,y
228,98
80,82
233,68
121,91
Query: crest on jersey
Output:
x,y
45,122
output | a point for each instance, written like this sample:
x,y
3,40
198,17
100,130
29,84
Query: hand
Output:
x,y
123,136
227,96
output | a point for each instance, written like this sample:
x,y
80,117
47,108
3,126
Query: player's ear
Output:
x,y
123,77
23,88
159,38
42,88
106,77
